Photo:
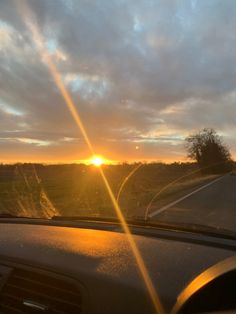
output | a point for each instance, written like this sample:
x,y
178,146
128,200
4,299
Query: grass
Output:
x,y
47,190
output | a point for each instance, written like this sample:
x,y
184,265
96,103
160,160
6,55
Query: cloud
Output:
x,y
149,72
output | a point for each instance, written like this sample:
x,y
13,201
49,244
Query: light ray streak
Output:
x,y
172,183
126,179
45,201
139,260
30,22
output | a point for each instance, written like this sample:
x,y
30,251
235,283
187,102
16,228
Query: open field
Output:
x,y
77,189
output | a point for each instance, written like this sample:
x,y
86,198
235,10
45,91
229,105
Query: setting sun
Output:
x,y
97,161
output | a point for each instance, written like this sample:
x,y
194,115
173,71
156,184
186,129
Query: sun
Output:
x,y
97,161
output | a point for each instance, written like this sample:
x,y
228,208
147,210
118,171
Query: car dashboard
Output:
x,y
77,268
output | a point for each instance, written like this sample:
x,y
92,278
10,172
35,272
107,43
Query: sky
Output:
x,y
143,75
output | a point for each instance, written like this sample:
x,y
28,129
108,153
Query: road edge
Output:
x,y
160,210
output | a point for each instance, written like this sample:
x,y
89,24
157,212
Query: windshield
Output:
x,y
119,109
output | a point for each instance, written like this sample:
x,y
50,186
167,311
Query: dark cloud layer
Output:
x,y
142,74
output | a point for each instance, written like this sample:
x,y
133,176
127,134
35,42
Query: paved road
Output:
x,y
215,205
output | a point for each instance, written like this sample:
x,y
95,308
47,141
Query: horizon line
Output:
x,y
90,164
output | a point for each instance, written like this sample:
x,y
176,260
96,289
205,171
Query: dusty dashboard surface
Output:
x,y
101,265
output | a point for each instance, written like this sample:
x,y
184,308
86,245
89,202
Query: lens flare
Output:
x,y
31,23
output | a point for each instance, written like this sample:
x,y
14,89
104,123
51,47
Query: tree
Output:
x,y
208,150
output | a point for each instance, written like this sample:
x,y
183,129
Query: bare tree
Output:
x,y
208,150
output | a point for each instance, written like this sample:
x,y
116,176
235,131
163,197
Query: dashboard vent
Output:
x,y
27,292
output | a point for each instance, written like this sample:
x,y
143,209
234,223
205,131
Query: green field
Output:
x,y
77,189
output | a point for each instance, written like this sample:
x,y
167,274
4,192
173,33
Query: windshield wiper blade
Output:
x,y
194,228
139,221
8,215
85,218
11,216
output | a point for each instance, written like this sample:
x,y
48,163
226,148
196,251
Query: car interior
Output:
x,y
88,267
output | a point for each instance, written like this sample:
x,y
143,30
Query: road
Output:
x,y
213,205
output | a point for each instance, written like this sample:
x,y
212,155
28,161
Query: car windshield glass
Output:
x,y
119,109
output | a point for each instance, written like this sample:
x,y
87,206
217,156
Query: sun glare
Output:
x,y
97,161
